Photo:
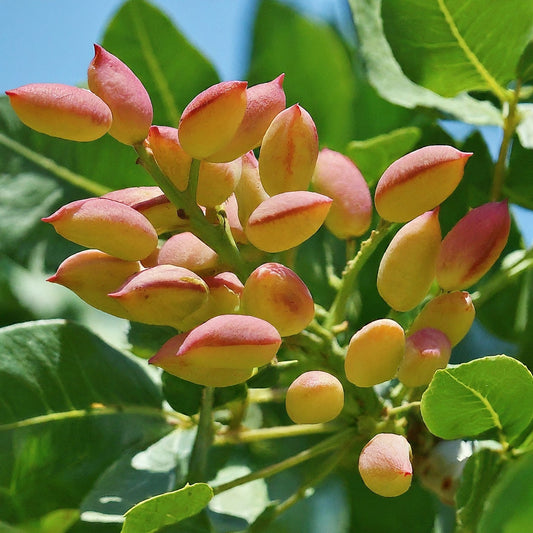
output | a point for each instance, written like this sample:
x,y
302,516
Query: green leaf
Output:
x,y
386,75
171,69
71,405
317,67
508,507
478,478
168,508
524,69
451,46
491,393
373,156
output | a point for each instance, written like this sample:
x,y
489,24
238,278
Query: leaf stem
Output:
x,y
353,267
329,444
510,122
51,166
204,438
401,409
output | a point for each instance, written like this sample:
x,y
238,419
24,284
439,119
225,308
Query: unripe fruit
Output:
x,y
276,294
211,119
473,245
163,295
286,220
452,313
385,465
123,92
61,111
188,251
216,182
407,267
249,190
92,275
171,158
426,351
107,225
374,353
418,182
314,397
339,178
289,152
220,352
264,102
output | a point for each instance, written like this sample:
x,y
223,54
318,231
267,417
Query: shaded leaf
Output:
x,y
452,46
491,393
385,74
70,406
524,69
478,478
168,508
519,183
508,507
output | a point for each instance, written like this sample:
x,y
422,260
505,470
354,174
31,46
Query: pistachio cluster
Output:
x,y
171,254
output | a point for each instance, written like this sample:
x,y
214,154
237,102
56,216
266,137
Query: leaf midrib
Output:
x,y
494,86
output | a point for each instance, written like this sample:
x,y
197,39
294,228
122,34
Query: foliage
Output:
x,y
93,439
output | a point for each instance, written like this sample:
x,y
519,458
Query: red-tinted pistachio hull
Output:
x,y
188,251
264,102
289,152
374,353
163,295
171,158
339,178
153,204
249,190
385,465
407,267
473,245
217,181
419,182
426,351
314,397
222,351
452,313
286,220
123,92
211,119
61,111
107,225
276,294
224,298
169,359
92,275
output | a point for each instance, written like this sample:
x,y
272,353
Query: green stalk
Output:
x,y
277,432
214,236
510,122
349,277
303,491
203,440
51,166
325,446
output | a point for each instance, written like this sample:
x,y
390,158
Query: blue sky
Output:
x,y
51,40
